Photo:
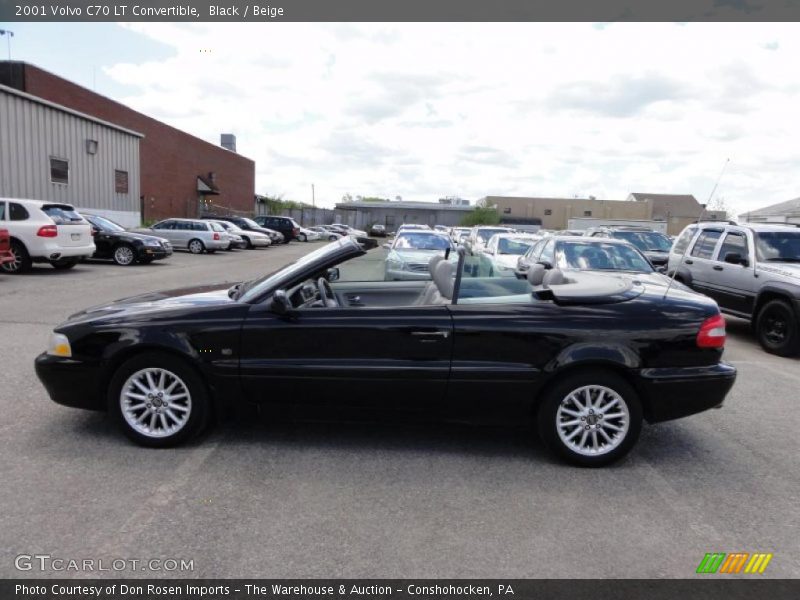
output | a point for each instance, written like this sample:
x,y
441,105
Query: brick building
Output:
x,y
179,174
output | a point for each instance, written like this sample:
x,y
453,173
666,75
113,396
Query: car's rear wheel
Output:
x,y
158,400
22,261
124,255
196,246
590,418
63,264
302,237
776,328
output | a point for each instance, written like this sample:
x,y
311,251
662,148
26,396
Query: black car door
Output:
x,y
382,358
499,351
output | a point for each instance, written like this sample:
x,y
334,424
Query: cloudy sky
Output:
x,y
423,111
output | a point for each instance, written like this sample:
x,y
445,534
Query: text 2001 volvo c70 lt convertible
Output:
x,y
583,356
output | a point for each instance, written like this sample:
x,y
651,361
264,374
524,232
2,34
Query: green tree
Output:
x,y
481,215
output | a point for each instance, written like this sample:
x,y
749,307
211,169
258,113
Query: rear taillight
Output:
x,y
216,236
712,333
47,231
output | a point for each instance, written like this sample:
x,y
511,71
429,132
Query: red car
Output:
x,y
5,248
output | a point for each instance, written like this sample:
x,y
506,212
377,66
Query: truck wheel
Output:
x,y
776,328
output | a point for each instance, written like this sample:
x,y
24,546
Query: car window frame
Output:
x,y
718,256
714,249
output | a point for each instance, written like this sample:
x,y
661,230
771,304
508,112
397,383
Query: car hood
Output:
x,y
416,256
509,261
156,302
783,269
133,235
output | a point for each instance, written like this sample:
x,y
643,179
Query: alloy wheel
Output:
x,y
775,327
15,265
155,402
592,420
196,247
123,255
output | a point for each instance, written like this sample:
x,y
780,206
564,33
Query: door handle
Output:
x,y
717,268
442,334
689,262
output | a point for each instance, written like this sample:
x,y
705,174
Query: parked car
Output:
x,y
653,244
248,224
249,239
479,236
326,234
377,230
195,235
286,226
460,234
410,253
347,230
308,235
581,253
407,226
5,247
49,232
504,249
751,270
124,247
584,357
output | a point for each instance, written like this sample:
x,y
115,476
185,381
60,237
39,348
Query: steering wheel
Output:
x,y
326,295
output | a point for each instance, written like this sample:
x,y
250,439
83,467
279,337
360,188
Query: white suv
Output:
x,y
44,232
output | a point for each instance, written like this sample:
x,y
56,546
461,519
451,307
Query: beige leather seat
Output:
x,y
430,292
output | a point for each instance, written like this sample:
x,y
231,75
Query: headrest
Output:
x,y
443,278
435,260
536,274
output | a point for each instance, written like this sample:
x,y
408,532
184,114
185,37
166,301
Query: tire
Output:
x,y
196,246
185,415
248,242
302,237
22,260
124,255
610,392
776,328
63,264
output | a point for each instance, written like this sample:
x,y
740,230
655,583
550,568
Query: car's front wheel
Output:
x,y
590,418
158,400
124,255
777,328
302,237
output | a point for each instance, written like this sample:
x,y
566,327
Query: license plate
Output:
x,y
76,236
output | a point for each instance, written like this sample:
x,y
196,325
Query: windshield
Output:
x,y
420,241
512,246
250,222
62,214
486,233
594,256
216,226
256,287
105,224
778,246
646,241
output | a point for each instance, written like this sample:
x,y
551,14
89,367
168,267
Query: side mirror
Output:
x,y
332,274
95,231
661,269
280,303
386,246
734,258
547,265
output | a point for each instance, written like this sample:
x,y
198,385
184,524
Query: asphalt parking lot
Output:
x,y
254,499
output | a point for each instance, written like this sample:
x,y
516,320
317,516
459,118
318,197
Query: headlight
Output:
x,y
152,243
59,345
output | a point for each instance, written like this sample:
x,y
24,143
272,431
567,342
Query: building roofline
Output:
x,y
75,113
402,204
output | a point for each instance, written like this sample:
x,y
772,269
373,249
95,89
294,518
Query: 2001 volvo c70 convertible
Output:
x,y
583,356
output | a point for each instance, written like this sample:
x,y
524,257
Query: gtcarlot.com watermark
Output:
x,y
58,564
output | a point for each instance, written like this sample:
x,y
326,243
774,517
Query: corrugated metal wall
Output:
x,y
31,133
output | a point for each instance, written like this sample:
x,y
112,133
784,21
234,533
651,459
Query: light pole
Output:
x,y
9,35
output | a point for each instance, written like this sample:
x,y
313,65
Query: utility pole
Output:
x,y
9,35
313,199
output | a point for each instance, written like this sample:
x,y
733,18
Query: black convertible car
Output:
x,y
125,247
584,356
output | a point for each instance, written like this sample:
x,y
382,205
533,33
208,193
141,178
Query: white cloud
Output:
x,y
427,110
